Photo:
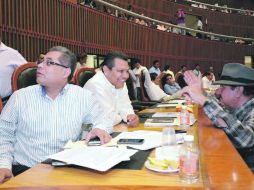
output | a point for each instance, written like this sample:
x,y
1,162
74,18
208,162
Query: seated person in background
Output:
x,y
37,121
167,70
179,77
10,59
232,106
212,72
81,61
108,85
169,84
155,68
207,81
197,71
152,86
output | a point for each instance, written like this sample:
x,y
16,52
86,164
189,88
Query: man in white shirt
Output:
x,y
152,86
37,121
207,81
109,86
155,68
199,24
167,70
197,71
137,72
10,59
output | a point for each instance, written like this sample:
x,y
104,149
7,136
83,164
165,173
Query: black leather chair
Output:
x,y
24,76
83,75
138,104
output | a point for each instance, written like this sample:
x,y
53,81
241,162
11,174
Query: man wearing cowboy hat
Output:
x,y
232,106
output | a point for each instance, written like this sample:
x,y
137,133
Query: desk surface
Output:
x,y
221,168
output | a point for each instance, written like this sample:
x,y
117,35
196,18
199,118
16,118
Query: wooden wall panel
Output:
x,y
41,24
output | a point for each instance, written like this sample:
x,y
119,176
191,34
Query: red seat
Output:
x,y
83,75
23,76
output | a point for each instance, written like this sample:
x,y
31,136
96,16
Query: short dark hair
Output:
x,y
155,61
166,67
136,60
109,60
67,58
183,66
248,90
164,79
81,56
207,73
153,76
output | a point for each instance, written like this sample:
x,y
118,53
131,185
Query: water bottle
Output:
x,y
189,161
184,118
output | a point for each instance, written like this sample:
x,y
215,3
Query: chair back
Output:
x,y
144,95
131,90
83,75
24,76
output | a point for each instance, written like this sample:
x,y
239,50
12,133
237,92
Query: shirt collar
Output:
x,y
3,47
64,90
246,105
107,81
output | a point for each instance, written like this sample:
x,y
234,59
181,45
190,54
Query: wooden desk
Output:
x,y
221,168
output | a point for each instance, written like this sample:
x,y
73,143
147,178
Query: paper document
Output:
x,y
161,122
176,102
166,114
167,122
77,144
152,139
97,158
166,105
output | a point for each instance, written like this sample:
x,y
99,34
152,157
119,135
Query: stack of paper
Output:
x,y
97,158
166,122
152,139
166,114
176,101
167,105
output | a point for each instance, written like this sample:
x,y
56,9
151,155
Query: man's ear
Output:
x,y
105,70
239,91
67,72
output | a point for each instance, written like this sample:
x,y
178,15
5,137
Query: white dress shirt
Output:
x,y
33,126
10,59
206,84
115,101
138,72
153,90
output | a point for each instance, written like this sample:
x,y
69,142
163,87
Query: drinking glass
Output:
x,y
168,136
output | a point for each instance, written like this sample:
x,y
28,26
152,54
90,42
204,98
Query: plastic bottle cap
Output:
x,y
189,138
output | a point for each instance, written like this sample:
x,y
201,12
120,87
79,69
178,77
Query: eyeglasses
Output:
x,y
50,62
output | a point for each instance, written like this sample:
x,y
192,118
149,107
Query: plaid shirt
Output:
x,y
240,122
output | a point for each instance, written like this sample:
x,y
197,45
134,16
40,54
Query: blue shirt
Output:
x,y
171,89
33,126
155,70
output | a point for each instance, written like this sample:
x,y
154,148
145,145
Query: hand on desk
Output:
x,y
96,132
132,120
5,175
